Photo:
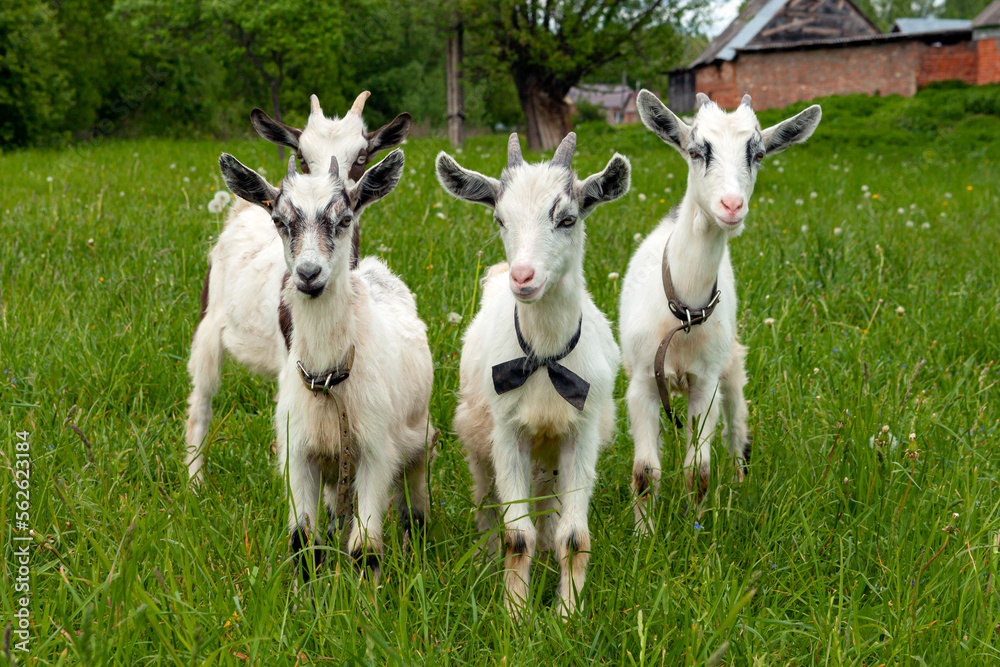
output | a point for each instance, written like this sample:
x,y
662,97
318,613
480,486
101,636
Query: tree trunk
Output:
x,y
275,85
456,91
545,111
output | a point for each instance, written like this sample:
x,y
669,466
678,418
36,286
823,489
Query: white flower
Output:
x,y
173,165
440,215
768,322
901,210
781,170
670,175
222,196
813,195
454,318
383,248
187,180
909,223
215,206
913,207
947,195
668,190
193,168
121,194
637,237
864,188
805,228
837,231
926,225
413,171
642,197
900,311
799,202
613,276
262,171
868,194
49,179
776,162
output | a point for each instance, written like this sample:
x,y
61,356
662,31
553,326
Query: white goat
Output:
x,y
357,347
517,424
688,255
239,302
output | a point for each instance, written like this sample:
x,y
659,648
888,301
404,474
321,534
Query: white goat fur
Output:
x,y
388,393
246,266
708,362
531,436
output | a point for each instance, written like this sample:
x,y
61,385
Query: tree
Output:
x,y
549,46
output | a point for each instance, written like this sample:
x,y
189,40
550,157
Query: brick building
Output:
x,y
785,51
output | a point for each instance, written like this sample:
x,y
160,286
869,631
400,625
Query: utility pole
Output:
x,y
455,88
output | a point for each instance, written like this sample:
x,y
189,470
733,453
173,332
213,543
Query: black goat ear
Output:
x,y
275,131
378,181
466,184
247,183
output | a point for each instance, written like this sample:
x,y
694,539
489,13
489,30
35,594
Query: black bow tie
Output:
x,y
512,374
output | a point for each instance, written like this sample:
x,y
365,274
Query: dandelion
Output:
x,y
969,188
613,276
781,170
947,195
874,196
193,168
223,197
441,215
769,322
121,194
909,223
799,202
413,171
90,243
813,195
187,180
662,201
900,311
926,225
173,165
804,228
900,210
668,190
642,197
944,203
215,206
383,248
262,171
864,188
437,204
49,179
637,237
670,175
454,318
776,163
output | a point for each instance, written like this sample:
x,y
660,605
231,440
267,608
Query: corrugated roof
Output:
x,y
719,43
604,95
989,16
917,26
948,36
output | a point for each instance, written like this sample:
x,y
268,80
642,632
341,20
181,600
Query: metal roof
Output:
x,y
988,17
917,26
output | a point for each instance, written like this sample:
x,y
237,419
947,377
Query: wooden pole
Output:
x,y
455,89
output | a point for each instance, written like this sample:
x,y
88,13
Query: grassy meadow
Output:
x,y
869,285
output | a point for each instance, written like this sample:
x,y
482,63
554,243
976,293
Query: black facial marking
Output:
x,y
285,314
754,146
707,152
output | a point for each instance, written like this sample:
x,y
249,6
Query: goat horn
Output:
x,y
334,166
564,154
746,101
514,158
700,100
316,109
291,166
359,103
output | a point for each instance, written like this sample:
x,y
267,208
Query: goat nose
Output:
x,y
522,274
307,272
732,204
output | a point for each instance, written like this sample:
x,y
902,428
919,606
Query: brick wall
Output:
x,y
779,78
947,62
988,51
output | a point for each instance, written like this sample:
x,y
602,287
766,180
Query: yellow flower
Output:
x,y
874,196
944,203
969,188
663,201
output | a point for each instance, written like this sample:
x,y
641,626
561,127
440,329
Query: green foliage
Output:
x,y
847,544
35,92
588,112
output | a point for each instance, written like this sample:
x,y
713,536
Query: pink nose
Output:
x,y
732,205
522,274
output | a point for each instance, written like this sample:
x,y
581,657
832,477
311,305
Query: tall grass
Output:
x,y
869,288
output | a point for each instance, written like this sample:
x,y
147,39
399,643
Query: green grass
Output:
x,y
831,553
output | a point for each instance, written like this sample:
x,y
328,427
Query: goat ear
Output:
x,y
605,186
275,131
378,181
390,135
466,184
661,121
794,130
247,183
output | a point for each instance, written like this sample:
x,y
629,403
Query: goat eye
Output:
x,y
499,222
759,156
568,221
278,222
694,155
361,159
345,222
